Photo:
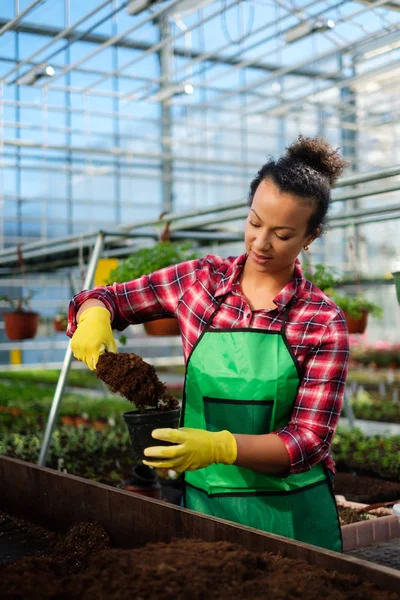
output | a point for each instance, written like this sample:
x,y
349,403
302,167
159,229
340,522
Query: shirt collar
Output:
x,y
291,289
230,278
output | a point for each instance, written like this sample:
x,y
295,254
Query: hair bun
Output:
x,y
319,155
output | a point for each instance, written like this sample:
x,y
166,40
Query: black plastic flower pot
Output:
x,y
140,425
144,481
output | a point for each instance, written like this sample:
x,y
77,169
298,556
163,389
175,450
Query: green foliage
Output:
x,y
147,260
376,356
377,455
355,306
31,399
79,378
99,455
325,278
371,407
20,303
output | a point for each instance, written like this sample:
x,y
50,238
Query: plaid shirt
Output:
x,y
315,329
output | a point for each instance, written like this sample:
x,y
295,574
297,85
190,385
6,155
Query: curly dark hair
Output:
x,y
308,169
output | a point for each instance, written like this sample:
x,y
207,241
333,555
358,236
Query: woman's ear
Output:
x,y
316,233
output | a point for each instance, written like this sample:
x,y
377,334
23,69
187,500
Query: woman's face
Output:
x,y
275,229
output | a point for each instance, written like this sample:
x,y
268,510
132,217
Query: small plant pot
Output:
x,y
21,325
144,481
357,325
59,325
140,425
162,327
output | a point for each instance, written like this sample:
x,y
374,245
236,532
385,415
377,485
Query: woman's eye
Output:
x,y
282,237
254,224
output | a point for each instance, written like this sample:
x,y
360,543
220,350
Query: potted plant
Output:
x,y
60,321
21,323
145,261
356,308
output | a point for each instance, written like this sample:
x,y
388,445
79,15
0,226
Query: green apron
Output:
x,y
246,380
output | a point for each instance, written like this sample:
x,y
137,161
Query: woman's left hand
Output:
x,y
193,449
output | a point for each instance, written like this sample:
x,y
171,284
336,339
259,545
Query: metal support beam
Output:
x,y
139,45
62,380
165,56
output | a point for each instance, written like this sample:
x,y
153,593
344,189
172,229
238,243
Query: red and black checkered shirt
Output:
x,y
315,329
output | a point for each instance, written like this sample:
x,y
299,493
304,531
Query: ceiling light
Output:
x,y
167,92
306,28
33,75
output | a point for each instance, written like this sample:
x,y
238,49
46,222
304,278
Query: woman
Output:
x,y
266,354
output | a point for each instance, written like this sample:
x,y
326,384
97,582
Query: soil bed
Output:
x,y
350,515
82,565
135,379
366,489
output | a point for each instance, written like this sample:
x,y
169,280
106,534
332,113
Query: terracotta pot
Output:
x,y
21,325
59,325
162,327
357,325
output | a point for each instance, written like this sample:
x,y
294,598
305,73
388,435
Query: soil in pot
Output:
x,y
137,380
366,489
182,569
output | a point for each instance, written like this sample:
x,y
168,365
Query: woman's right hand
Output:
x,y
93,336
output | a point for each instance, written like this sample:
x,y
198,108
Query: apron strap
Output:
x,y
214,312
286,314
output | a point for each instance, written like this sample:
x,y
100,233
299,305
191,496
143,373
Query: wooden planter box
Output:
x,y
57,501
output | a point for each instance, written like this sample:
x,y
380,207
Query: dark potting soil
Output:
x,y
83,566
135,379
365,489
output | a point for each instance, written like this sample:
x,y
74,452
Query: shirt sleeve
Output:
x,y
318,404
150,297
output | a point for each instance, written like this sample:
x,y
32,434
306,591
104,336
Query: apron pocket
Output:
x,y
252,417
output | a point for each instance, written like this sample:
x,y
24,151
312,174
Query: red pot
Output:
x,y
21,325
357,325
59,325
162,327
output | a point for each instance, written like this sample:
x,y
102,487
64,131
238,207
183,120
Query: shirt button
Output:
x,y
248,315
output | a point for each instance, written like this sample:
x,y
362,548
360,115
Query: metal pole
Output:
x,y
19,16
54,39
62,380
165,59
115,39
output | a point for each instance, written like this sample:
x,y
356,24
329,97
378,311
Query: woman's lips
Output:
x,y
260,259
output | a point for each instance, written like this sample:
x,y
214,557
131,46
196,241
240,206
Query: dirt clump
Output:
x,y
135,379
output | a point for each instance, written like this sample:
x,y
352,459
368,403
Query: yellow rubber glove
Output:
x,y
193,449
93,336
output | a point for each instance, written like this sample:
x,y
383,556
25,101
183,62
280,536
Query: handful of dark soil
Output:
x,y
135,379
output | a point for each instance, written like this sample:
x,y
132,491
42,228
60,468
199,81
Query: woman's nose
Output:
x,y
263,242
